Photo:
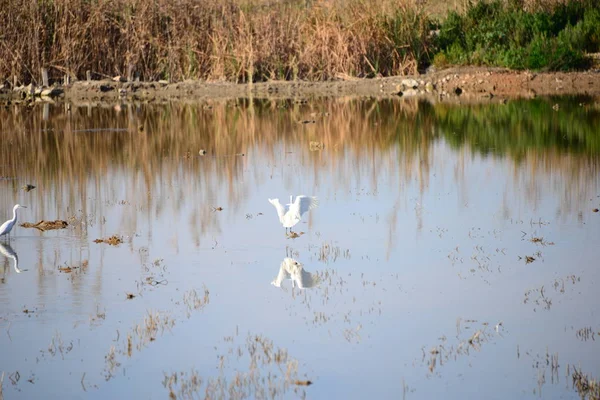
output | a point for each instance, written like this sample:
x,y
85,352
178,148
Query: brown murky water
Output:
x,y
453,253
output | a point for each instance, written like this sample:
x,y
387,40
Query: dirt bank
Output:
x,y
460,83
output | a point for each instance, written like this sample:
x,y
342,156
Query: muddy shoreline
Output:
x,y
472,84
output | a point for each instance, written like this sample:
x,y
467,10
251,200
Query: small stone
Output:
x,y
52,92
409,93
410,83
202,152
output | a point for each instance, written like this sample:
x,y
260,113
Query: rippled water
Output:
x,y
453,254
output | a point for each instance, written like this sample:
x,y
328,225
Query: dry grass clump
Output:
x,y
114,240
587,387
235,40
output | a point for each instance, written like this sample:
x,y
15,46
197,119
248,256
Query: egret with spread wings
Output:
x,y
290,214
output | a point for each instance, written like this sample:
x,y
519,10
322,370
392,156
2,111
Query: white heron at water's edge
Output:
x,y
290,214
6,227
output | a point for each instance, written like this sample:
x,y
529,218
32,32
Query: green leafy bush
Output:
x,y
496,33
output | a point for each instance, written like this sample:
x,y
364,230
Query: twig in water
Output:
x,y
8,333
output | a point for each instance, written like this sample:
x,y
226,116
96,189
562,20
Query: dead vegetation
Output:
x,y
540,296
46,225
588,388
328,253
240,41
194,302
445,351
113,240
67,269
254,368
28,187
153,326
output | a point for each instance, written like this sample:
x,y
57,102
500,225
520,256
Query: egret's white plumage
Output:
x,y
8,225
292,269
290,214
8,252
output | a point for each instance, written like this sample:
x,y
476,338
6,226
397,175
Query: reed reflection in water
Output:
x,y
413,190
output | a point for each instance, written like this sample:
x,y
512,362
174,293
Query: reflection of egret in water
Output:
x,y
8,252
292,269
290,214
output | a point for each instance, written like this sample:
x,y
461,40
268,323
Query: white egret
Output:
x,y
292,269
290,214
8,225
8,252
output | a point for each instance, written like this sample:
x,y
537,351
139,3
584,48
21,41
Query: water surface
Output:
x,y
453,252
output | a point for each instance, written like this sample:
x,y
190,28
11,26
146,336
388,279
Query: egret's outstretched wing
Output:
x,y
283,273
279,207
303,204
306,280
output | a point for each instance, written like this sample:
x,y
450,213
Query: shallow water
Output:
x,y
418,250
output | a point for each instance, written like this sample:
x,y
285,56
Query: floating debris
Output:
x,y
316,146
113,240
499,325
28,187
303,383
217,209
202,152
67,269
595,210
529,259
129,296
475,337
586,386
540,240
46,225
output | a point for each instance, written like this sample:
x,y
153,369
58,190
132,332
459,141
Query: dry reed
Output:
x,y
235,40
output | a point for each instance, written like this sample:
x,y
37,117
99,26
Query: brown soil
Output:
x,y
470,83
